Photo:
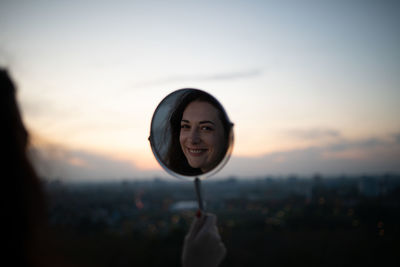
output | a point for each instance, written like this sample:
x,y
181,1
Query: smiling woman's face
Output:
x,y
202,135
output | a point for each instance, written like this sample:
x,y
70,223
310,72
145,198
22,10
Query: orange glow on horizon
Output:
x,y
56,149
141,161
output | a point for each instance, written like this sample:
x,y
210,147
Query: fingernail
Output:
x,y
198,213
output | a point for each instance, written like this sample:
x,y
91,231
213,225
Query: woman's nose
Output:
x,y
194,137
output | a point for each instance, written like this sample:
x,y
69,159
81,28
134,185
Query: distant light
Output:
x,y
139,204
184,205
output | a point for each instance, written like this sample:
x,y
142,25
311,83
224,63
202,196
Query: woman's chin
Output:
x,y
196,165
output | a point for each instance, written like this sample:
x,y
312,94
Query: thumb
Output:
x,y
209,225
196,226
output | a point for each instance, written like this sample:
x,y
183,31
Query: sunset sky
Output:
x,y
312,86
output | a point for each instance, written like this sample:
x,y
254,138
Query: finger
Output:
x,y
199,225
216,232
222,250
195,227
208,224
190,235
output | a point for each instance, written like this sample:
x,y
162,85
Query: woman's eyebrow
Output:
x,y
201,122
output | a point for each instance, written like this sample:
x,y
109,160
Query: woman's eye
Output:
x,y
185,126
207,128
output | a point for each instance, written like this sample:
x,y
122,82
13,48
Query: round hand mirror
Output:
x,y
191,135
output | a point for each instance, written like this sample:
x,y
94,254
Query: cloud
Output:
x,y
314,133
397,137
232,75
343,157
206,77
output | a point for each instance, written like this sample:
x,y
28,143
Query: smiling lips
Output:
x,y
196,151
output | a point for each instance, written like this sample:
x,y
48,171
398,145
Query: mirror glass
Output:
x,y
191,134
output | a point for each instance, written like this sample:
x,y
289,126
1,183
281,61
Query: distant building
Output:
x,y
369,186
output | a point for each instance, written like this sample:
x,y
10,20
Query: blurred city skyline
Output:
x,y
312,86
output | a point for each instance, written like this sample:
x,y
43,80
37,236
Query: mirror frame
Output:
x,y
156,151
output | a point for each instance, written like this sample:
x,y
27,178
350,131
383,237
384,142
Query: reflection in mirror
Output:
x,y
191,134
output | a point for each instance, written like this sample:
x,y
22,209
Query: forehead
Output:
x,y
200,111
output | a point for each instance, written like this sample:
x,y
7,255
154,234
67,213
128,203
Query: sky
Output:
x,y
311,86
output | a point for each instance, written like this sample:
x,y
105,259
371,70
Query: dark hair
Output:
x,y
25,200
176,160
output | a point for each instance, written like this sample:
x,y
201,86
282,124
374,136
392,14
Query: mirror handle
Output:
x,y
197,186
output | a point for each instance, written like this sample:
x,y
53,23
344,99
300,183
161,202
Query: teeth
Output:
x,y
195,150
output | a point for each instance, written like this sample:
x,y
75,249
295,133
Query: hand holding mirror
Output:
x,y
191,135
